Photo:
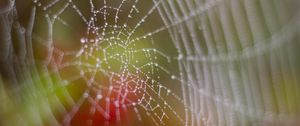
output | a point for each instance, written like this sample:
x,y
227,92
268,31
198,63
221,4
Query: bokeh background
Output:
x,y
149,62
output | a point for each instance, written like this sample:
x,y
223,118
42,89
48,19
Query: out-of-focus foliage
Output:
x,y
149,62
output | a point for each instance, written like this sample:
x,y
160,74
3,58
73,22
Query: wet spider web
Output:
x,y
119,68
164,62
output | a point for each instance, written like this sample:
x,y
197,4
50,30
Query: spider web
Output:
x,y
167,62
118,72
